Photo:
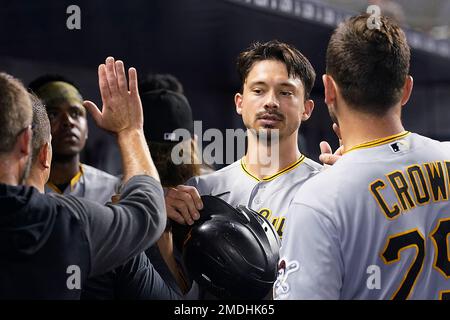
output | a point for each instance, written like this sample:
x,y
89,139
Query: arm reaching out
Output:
x,y
122,115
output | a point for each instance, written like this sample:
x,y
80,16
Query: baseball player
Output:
x,y
376,224
276,82
68,120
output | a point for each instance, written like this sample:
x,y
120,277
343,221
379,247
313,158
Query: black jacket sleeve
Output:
x,y
138,280
118,232
135,280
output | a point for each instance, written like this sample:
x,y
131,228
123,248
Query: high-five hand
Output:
x,y
122,114
122,108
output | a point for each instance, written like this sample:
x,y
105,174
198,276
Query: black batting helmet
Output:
x,y
232,252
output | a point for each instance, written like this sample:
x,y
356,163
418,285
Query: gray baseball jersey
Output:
x,y
90,183
270,196
373,226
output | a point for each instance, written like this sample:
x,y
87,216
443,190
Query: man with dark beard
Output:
x,y
68,121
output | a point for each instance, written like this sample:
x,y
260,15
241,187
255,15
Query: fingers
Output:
x,y
94,111
174,215
121,78
194,194
111,76
328,158
133,83
325,147
339,151
178,210
103,83
186,202
113,81
182,204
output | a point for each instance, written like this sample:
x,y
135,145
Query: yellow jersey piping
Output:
x,y
378,142
283,171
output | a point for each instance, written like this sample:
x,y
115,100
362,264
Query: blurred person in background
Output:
x,y
166,109
68,121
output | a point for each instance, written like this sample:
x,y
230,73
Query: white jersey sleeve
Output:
x,y
306,273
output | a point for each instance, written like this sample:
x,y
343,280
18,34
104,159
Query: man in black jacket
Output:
x,y
51,244
137,279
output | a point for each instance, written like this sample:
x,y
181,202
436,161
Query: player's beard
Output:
x,y
269,135
25,172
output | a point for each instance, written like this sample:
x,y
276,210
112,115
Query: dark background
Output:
x,y
197,41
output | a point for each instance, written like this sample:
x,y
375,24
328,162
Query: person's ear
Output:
x,y
45,155
330,89
308,109
24,141
407,89
238,102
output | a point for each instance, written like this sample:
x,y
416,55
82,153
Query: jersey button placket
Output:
x,y
260,191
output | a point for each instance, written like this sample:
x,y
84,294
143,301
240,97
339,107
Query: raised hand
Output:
x,y
122,108
327,157
122,114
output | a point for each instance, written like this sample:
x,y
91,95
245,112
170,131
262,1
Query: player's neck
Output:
x,y
10,170
35,178
63,171
358,128
263,159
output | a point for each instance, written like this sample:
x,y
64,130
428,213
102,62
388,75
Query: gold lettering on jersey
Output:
x,y
277,222
280,227
415,186
375,188
417,179
398,183
266,213
437,181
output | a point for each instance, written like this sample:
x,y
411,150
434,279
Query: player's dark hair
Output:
x,y
46,78
163,100
15,111
160,81
369,66
41,127
296,63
